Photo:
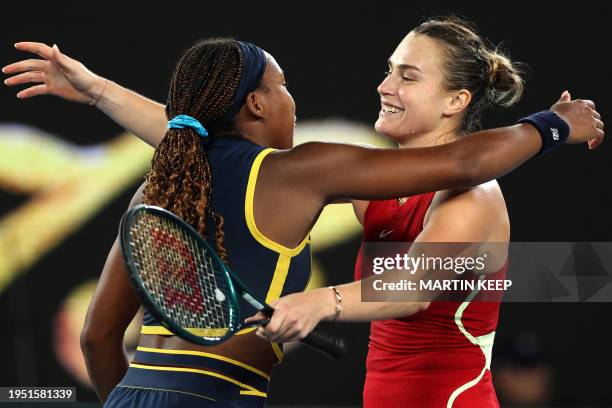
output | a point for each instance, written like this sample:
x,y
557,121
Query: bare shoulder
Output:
x,y
314,152
476,214
485,199
318,166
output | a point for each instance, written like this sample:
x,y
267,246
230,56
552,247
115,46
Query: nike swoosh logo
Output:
x,y
384,233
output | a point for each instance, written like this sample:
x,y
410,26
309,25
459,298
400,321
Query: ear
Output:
x,y
255,104
457,101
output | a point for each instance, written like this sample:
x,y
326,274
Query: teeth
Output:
x,y
388,109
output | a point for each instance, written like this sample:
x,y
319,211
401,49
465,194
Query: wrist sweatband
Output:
x,y
553,130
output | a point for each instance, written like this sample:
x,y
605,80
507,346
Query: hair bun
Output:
x,y
504,82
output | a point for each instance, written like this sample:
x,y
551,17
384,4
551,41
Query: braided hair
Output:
x,y
203,86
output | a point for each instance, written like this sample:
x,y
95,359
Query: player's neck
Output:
x,y
446,132
429,139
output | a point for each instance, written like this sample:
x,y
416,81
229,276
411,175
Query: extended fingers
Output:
x,y
32,91
24,66
36,48
26,77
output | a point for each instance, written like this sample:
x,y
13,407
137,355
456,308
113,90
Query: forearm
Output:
x,y
470,161
141,116
338,171
107,363
356,310
493,153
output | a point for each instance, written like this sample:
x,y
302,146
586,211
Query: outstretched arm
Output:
x,y
58,74
333,171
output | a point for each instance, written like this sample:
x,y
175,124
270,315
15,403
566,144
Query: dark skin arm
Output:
x,y
307,177
111,310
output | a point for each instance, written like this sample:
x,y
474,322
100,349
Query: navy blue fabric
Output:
x,y
128,397
231,161
157,388
553,130
206,363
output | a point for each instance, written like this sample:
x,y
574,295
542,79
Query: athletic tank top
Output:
x,y
268,269
443,325
439,357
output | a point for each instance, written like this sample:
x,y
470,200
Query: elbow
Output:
x,y
89,338
93,337
87,341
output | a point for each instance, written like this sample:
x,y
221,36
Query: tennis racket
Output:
x,y
184,284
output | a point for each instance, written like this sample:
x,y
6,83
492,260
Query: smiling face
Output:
x,y
413,98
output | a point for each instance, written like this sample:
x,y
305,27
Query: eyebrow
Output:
x,y
405,66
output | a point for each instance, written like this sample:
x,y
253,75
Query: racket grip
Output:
x,y
261,322
325,342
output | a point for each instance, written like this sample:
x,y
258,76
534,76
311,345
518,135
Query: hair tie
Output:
x,y
186,121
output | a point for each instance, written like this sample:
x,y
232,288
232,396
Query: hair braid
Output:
x,y
180,180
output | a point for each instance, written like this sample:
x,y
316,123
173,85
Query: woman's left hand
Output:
x,y
296,315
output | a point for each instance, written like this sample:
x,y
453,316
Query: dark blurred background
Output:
x,y
334,54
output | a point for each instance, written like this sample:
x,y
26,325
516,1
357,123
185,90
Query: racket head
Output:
x,y
178,276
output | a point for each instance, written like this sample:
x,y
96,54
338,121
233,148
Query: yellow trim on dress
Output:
x,y
250,218
254,393
162,331
278,279
275,290
197,371
277,350
203,354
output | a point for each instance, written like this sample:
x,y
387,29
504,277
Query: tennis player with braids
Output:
x,y
224,163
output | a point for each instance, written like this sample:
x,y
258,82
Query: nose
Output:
x,y
386,86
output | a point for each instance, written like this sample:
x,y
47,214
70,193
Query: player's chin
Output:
x,y
381,125
386,127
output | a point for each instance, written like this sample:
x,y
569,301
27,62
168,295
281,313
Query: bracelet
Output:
x,y
553,130
338,302
94,101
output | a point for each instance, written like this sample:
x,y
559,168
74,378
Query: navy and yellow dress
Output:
x,y
185,378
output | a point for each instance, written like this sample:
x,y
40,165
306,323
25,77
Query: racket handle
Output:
x,y
261,322
325,342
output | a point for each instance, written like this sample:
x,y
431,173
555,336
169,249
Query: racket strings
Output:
x,y
219,312
180,275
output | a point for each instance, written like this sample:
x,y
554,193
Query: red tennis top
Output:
x,y
439,357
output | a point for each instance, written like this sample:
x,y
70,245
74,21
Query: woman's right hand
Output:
x,y
56,73
584,121
296,315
